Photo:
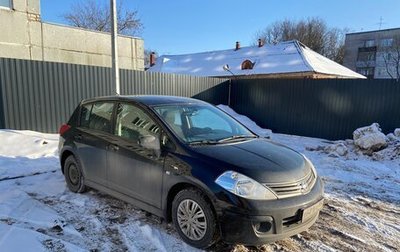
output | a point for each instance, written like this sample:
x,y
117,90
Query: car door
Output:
x,y
91,140
135,164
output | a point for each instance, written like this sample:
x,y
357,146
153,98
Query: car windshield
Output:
x,y
202,124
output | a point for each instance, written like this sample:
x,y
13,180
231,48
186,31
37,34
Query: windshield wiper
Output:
x,y
205,142
227,139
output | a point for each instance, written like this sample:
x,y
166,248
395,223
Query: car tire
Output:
x,y
73,175
196,230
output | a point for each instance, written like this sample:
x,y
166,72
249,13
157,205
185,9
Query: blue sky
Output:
x,y
186,26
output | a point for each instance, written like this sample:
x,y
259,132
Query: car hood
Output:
x,y
260,159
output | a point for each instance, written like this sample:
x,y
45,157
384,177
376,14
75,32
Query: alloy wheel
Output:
x,y
191,219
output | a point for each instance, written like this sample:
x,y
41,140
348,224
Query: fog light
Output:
x,y
263,227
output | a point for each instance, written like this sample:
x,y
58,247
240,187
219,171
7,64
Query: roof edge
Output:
x,y
373,31
299,46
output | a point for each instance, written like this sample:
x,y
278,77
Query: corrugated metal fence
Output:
x,y
39,95
330,109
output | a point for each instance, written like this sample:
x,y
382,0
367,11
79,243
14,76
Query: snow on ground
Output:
x,y
26,153
39,213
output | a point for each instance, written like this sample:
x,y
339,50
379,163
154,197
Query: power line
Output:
x,y
380,23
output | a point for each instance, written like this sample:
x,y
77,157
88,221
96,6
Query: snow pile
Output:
x,y
28,144
334,149
26,153
370,138
395,136
368,141
339,149
27,224
397,132
246,122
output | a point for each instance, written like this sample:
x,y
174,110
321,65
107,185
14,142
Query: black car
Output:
x,y
190,163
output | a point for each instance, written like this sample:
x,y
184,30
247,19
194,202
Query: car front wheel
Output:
x,y
194,219
73,175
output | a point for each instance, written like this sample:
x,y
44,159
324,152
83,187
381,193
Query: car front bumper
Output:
x,y
269,221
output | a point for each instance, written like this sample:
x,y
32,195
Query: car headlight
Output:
x,y
244,186
311,165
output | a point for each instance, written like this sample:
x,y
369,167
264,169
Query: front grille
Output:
x,y
286,190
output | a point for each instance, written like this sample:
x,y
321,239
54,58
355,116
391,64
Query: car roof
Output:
x,y
149,100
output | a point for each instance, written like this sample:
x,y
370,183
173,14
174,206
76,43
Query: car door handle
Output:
x,y
113,147
78,137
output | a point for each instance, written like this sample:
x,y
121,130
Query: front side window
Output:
x,y
133,124
97,116
5,3
197,122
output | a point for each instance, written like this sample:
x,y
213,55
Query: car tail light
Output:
x,y
64,128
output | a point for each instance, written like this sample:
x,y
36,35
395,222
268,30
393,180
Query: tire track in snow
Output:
x,y
27,175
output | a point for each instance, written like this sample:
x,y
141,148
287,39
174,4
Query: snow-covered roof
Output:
x,y
284,57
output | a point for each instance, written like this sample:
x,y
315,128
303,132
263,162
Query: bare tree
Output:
x,y
391,57
95,15
312,32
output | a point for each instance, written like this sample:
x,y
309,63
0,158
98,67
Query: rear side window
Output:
x,y
97,116
74,119
85,115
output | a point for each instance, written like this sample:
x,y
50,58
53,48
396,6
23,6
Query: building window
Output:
x,y
387,56
366,56
370,43
247,65
387,42
5,3
381,72
366,71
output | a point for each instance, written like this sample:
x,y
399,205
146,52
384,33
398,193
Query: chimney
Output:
x,y
152,59
260,43
237,45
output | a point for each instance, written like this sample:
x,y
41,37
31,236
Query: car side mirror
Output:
x,y
149,142
166,143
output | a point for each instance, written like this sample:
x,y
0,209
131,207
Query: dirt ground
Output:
x,y
355,224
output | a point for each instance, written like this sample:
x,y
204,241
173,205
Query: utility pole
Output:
x,y
381,23
114,46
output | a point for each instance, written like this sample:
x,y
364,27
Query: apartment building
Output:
x,y
374,54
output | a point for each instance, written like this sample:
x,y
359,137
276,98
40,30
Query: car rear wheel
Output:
x,y
73,175
194,219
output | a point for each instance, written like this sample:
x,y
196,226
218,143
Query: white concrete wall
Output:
x,y
24,36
